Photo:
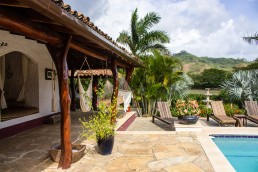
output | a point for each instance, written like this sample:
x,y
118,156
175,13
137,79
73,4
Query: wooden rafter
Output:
x,y
43,34
12,3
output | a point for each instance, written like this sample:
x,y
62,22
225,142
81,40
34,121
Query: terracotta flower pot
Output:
x,y
77,152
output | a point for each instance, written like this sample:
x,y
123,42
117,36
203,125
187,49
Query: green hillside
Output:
x,y
193,64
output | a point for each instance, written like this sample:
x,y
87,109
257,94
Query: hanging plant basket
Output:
x,y
77,152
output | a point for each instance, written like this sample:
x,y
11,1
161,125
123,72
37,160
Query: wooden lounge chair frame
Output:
x,y
251,110
165,114
219,114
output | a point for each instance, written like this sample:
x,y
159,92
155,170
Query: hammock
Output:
x,y
85,97
124,96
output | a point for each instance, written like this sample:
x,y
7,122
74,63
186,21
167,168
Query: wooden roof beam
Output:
x,y
12,3
22,26
41,33
53,11
92,53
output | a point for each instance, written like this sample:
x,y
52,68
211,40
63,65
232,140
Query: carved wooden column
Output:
x,y
59,56
115,90
94,92
73,96
129,72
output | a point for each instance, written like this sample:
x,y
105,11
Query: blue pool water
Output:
x,y
241,151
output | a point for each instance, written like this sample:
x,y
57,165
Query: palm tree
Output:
x,y
243,85
251,39
140,38
162,78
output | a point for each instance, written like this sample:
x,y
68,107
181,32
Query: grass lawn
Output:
x,y
213,92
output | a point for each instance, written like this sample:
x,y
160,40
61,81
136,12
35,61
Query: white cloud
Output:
x,y
201,27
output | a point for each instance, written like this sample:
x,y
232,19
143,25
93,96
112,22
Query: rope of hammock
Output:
x,y
85,96
53,101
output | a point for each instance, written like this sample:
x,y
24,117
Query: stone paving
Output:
x,y
144,152
145,124
173,151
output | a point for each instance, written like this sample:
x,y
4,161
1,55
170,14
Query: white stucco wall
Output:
x,y
38,53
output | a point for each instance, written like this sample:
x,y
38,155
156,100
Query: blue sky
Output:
x,y
242,7
202,27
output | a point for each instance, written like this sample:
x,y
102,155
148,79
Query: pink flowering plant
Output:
x,y
187,108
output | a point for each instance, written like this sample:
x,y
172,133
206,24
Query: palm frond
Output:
x,y
148,21
253,39
149,48
155,36
134,33
243,85
124,38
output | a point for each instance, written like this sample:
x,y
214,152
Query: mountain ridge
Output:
x,y
193,64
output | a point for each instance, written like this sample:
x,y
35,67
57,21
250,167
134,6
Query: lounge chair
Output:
x,y
252,111
220,115
165,115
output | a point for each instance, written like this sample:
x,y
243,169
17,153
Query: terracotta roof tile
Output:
x,y
86,20
3,44
67,7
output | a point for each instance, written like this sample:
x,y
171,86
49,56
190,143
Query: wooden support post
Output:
x,y
129,72
115,90
94,92
59,56
73,96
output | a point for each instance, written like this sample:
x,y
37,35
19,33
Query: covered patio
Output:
x,y
69,38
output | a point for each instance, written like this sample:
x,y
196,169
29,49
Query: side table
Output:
x,y
241,120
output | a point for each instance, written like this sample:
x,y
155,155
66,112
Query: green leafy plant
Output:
x,y
100,125
243,85
232,109
204,110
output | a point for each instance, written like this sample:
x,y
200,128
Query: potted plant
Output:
x,y
187,111
100,127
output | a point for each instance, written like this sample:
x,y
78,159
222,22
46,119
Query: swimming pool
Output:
x,y
240,150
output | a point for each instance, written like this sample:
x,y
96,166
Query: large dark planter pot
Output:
x,y
106,145
187,119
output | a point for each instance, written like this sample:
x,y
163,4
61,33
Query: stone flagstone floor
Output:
x,y
143,152
155,150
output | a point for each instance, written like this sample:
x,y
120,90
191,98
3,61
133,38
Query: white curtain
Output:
x,y
21,96
2,79
127,97
85,96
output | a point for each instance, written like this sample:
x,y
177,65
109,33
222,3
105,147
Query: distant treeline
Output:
x,y
208,72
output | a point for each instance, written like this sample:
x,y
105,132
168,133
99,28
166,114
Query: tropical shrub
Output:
x,y
232,109
210,78
204,110
242,86
198,97
187,108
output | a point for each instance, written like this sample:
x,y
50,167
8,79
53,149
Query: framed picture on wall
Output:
x,y
48,74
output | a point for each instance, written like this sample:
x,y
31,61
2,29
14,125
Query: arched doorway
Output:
x,y
19,85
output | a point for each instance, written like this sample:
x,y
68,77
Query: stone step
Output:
x,y
126,121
